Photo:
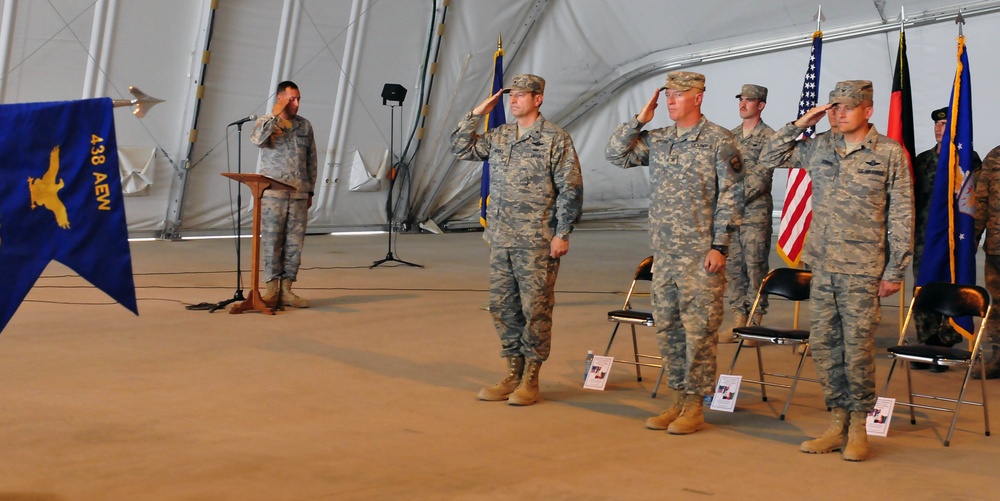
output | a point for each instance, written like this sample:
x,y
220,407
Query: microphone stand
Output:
x,y
392,181
238,295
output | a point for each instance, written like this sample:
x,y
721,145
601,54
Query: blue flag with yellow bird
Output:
x,y
61,199
497,117
950,247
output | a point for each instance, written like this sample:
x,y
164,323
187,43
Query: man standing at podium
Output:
x,y
288,154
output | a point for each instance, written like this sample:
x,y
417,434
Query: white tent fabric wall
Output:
x,y
601,59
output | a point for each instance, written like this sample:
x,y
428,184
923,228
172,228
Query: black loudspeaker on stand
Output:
x,y
392,96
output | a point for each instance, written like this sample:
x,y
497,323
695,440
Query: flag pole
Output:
x,y
819,18
902,286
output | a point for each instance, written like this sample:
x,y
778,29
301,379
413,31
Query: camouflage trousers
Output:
x,y
282,233
522,295
992,277
845,311
687,309
932,326
747,265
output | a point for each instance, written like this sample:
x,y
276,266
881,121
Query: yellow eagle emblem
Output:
x,y
44,191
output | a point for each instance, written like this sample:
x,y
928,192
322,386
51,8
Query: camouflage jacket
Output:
x,y
924,172
289,156
862,201
694,180
988,203
536,188
757,204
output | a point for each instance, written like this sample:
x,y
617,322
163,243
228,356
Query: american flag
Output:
x,y
796,213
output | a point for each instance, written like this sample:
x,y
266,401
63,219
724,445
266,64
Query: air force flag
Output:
x,y
61,198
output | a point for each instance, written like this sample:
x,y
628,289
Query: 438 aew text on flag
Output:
x,y
61,199
796,212
497,117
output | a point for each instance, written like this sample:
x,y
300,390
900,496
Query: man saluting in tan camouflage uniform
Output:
x,y
288,154
859,246
536,193
694,169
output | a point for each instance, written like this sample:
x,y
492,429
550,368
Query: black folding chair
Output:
x,y
633,317
950,300
791,284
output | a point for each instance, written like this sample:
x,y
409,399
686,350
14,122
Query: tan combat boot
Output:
x,y
668,416
270,296
740,320
289,298
527,392
833,438
507,385
857,437
691,418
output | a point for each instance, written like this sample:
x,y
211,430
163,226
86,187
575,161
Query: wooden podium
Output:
x,y
257,183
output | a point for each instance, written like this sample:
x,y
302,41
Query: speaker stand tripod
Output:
x,y
389,258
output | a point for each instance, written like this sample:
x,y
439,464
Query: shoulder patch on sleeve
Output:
x,y
735,163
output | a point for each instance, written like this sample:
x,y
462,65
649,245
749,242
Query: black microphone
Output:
x,y
244,120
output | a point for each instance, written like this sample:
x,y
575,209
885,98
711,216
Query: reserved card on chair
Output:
x,y
726,392
878,419
597,376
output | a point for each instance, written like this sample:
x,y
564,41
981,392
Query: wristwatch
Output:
x,y
723,249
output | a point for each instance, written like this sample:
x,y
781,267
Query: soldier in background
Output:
x,y
695,170
288,154
988,221
536,194
859,246
750,242
932,329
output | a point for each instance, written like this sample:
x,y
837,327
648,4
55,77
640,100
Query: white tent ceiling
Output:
x,y
601,58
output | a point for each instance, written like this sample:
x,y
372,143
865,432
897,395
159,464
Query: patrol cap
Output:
x,y
851,92
751,91
528,82
941,114
684,80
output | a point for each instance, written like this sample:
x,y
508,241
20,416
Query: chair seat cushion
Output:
x,y
761,332
631,317
940,355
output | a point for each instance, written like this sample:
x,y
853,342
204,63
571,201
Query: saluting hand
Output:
x,y
486,106
646,115
279,105
813,116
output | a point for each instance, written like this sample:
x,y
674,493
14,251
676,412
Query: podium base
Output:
x,y
253,303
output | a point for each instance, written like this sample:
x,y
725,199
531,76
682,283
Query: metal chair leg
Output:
x,y
760,372
909,391
739,346
663,370
612,340
795,382
982,384
958,406
635,353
